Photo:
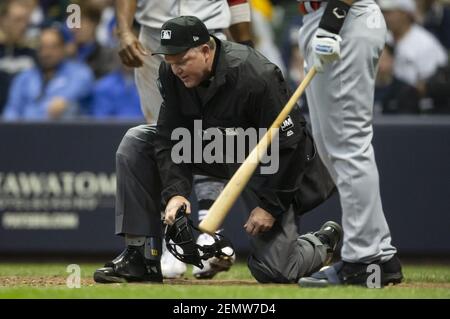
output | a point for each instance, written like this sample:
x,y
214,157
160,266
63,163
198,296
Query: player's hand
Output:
x,y
259,221
131,51
326,47
56,107
172,207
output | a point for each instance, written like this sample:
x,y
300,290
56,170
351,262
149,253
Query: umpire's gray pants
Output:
x,y
278,255
341,108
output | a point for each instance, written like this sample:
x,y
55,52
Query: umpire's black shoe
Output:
x,y
129,266
344,273
330,234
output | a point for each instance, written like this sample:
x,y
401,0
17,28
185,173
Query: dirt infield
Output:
x,y
57,281
51,281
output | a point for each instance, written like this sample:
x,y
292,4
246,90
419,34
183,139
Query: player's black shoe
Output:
x,y
392,271
330,234
344,273
129,266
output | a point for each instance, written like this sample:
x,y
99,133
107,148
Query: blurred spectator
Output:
x,y
418,55
54,10
293,58
102,60
16,53
438,89
116,95
106,28
391,94
36,19
52,90
291,54
434,15
262,14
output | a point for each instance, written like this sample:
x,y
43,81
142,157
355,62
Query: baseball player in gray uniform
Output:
x,y
217,15
343,40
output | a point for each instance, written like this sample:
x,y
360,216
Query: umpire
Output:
x,y
226,86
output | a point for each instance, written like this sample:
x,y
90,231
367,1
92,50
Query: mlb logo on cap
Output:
x,y
180,34
166,34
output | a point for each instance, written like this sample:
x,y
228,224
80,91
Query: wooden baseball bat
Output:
x,y
236,184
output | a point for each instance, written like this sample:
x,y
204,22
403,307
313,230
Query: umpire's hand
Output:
x,y
172,207
259,221
131,52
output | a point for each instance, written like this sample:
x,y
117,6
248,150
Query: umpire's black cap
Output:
x,y
182,33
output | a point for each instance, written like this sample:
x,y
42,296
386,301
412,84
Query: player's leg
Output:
x,y
147,75
341,103
138,207
207,189
305,36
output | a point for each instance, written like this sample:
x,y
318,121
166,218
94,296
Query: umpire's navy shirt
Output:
x,y
246,91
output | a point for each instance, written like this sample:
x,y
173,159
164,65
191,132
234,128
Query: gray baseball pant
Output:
x,y
341,109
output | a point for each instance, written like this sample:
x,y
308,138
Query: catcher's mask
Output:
x,y
180,241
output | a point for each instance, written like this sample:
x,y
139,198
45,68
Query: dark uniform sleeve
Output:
x,y
276,191
176,179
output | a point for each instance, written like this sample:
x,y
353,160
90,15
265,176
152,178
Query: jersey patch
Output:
x,y
287,124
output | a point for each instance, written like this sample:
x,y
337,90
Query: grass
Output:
x,y
47,281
